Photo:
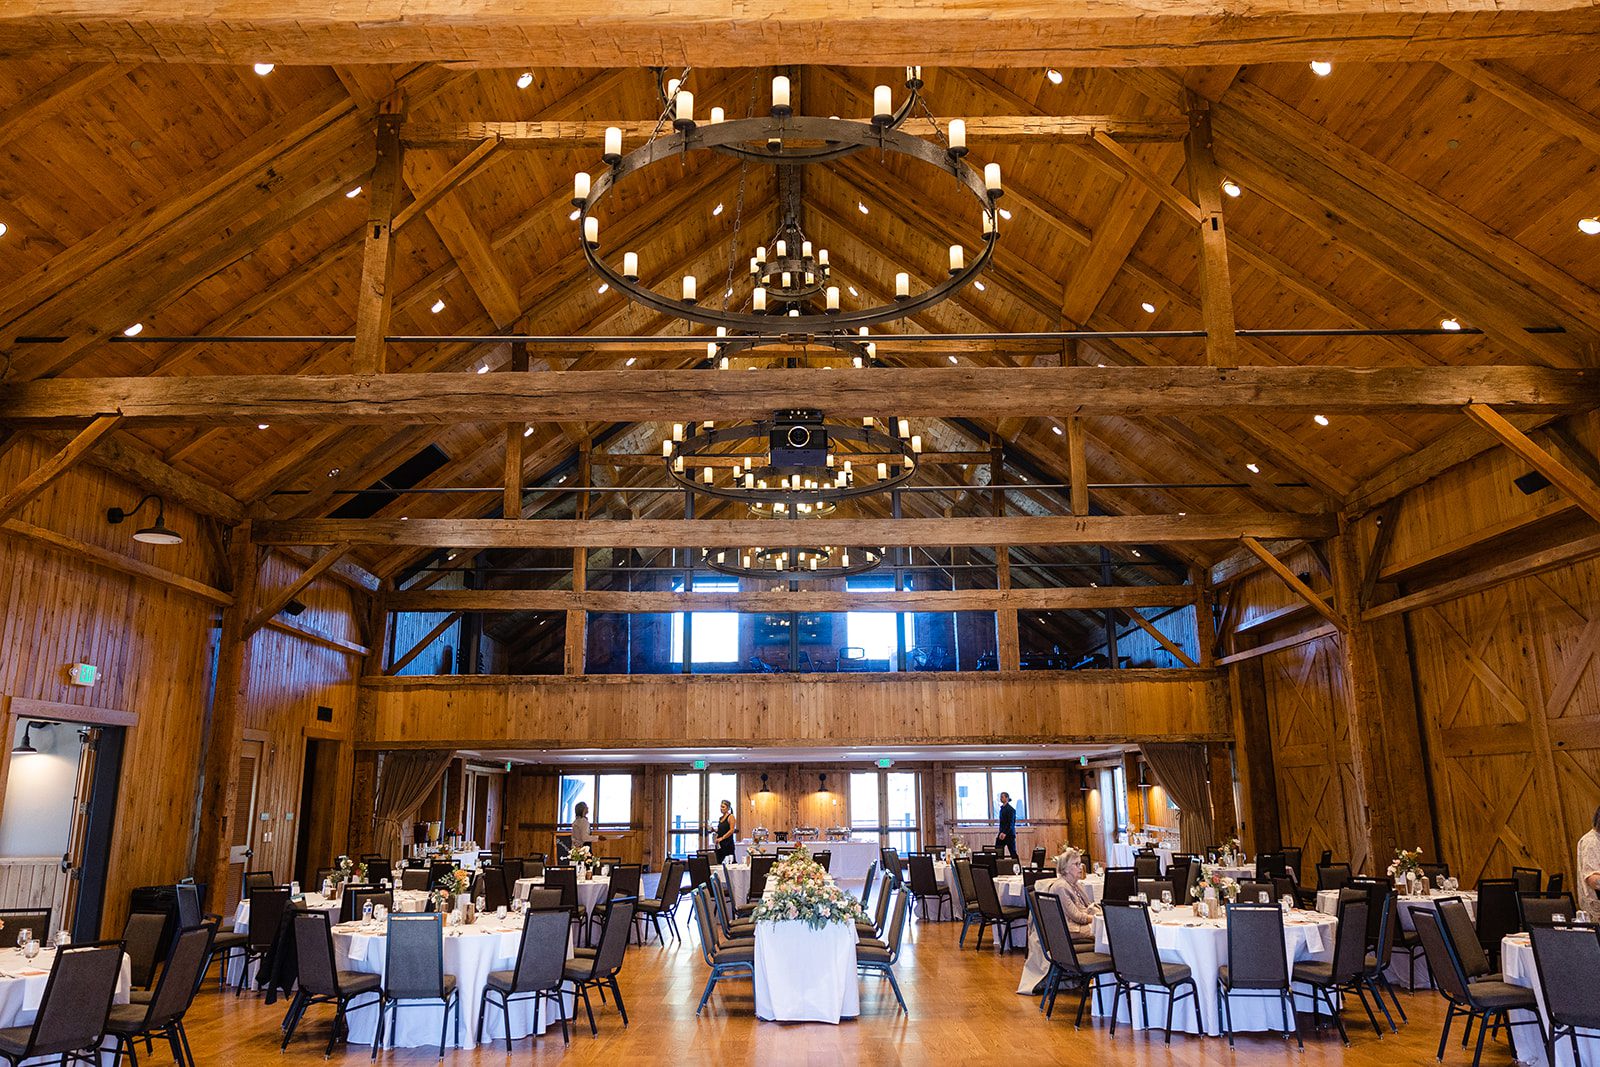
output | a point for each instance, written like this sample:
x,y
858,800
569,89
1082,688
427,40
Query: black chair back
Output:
x,y
141,940
1270,865
969,892
1350,941
77,999
866,887
1462,935
923,881
1121,883
625,879
413,966
1250,892
614,936
824,858
18,919
1433,872
760,867
1332,875
1377,891
1528,879
379,871
546,900
313,946
1557,883
1147,865
1443,963
1005,866
494,888
897,925
1133,942
566,880
1567,957
415,879
988,898
1055,936
180,980
1257,956
437,869
1152,888
1542,908
189,914
542,953
353,904
1497,910
258,880
699,870
671,886
266,915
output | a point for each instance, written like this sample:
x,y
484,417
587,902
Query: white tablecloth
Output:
x,y
1203,945
470,953
849,861
1245,872
806,975
241,925
590,892
1008,887
21,995
1035,967
738,881
1400,970
1122,855
1516,962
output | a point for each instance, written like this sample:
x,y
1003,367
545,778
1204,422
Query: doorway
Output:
x,y
60,810
319,785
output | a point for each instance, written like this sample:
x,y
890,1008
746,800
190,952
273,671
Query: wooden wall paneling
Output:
x,y
1224,813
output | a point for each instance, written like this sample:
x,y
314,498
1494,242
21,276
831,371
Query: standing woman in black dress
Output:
x,y
724,838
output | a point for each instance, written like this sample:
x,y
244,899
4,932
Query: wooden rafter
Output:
x,y
1574,483
325,563
423,642
1162,639
375,298
70,456
1292,580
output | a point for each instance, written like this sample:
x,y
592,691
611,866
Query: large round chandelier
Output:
x,y
788,277
792,563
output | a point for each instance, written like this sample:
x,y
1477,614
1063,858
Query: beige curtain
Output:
x,y
1180,769
404,780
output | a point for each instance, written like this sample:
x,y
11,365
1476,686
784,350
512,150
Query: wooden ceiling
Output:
x,y
206,199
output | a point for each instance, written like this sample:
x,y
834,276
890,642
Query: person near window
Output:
x,y
1006,840
580,825
725,829
1589,870
1074,896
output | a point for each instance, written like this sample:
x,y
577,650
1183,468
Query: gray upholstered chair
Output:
x,y
926,886
1138,966
71,1020
1003,917
321,981
1067,964
1567,957
353,902
1344,972
970,912
1481,1000
601,969
882,960
665,902
1544,907
1258,965
413,973
727,959
19,919
1147,865
1463,936
415,880
267,907
162,1015
541,958
141,940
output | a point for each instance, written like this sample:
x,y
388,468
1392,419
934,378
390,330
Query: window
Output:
x,y
883,808
900,787
875,632
715,633
609,796
694,804
978,794
1119,790
864,806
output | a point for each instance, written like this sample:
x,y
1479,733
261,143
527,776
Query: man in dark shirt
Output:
x,y
1007,838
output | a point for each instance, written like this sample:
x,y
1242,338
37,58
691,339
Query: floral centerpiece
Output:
x,y
347,870
581,856
451,884
1222,886
760,835
1407,864
801,892
1232,850
960,850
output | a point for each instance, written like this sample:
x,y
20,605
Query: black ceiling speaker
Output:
x,y
1531,482
293,607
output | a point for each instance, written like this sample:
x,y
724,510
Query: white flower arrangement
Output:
x,y
581,854
1406,861
960,850
1224,886
815,904
348,870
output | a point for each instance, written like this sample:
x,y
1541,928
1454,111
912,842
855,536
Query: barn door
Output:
x,y
242,847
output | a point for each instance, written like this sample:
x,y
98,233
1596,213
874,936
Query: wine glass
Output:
x,y
1144,898
1558,917
1264,897
1166,897
24,935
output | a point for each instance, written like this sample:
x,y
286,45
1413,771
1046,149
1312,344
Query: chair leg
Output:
x,y
1377,995
292,1019
594,1031
711,981
1338,1019
1170,999
1222,1012
1116,1001
616,991
889,973
377,1039
1359,986
1083,1002
338,1017
1483,1030
1383,979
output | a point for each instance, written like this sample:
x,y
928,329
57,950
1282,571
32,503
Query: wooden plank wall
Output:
x,y
33,882
155,647
461,712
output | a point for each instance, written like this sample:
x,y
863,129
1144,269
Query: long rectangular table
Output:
x,y
806,975
849,860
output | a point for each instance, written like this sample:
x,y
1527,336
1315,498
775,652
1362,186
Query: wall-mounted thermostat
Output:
x,y
82,674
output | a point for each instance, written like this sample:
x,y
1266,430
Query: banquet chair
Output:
x,y
1482,1000
970,912
882,960
988,860
437,869
1067,964
414,879
699,870
71,1019
1136,965
1332,876
1147,865
1375,967
732,925
1567,959
1433,872
733,959
321,982
1459,930
1291,861
1343,973
141,940
1152,888
1327,858
1038,857
223,945
866,886
600,970
354,900
1497,913
1005,866
541,957
665,902
891,865
1285,887
1003,917
1544,907
1121,883
874,933
267,907
1528,879
324,875
413,973
625,879
35,919
532,868
1258,965
258,880
545,900
1250,892
926,886
565,879
1269,865
162,1014
760,867
824,858
379,870
1031,876
491,884
606,864
1556,883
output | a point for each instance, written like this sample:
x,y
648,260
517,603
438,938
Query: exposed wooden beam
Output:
x,y
1292,580
1089,598
693,394
470,164
1216,287
95,556
422,644
1535,563
668,533
1575,484
1558,114
990,129
45,101
1138,169
1279,645
375,297
503,33
309,575
37,481
1163,640
317,637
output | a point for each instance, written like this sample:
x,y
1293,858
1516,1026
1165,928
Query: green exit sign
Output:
x,y
1083,761
886,762
699,764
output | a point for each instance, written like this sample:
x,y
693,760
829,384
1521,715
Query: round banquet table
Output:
x,y
806,975
1122,855
404,900
470,953
1516,962
738,881
22,983
1008,887
1244,872
1202,944
1400,968
1035,967
590,892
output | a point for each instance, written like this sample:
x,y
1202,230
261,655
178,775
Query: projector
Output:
x,y
798,439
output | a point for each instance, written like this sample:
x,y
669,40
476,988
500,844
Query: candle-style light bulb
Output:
x,y
958,258
904,426
683,107
780,94
689,288
677,431
717,115
580,188
958,137
833,298
805,249
630,266
902,285
883,470
666,449
758,298
591,231
882,104
613,150
991,180
822,257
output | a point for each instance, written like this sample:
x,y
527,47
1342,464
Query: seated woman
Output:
x,y
1074,897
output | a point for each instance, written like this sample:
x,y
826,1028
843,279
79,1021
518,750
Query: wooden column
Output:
x,y
376,297
511,507
1007,637
577,637
1077,466
1252,728
1216,290
1205,630
1224,817
225,730
1390,780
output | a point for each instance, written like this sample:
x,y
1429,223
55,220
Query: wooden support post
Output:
x,y
1205,625
1389,775
309,575
1573,483
1007,631
511,505
1077,466
427,639
1380,552
1224,816
379,626
225,728
1216,289
1292,580
54,467
1252,727
577,636
375,297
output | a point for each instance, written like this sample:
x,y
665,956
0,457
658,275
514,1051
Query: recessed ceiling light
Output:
x,y
1320,420
1005,213
334,473
352,194
1321,68
1149,308
1231,187
1590,226
1252,468
134,331
952,359
261,426
1057,430
861,207
2,229
630,361
980,286
1449,324
264,69
716,210
438,306
1054,75
853,291
525,79
604,286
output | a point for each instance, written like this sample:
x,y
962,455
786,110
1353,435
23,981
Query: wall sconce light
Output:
x,y
822,782
764,788
1083,782
157,534
1142,783
25,746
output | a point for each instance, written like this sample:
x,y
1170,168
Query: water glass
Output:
x,y
1558,917
1144,898
481,904
1288,903
1166,897
31,949
24,935
1264,897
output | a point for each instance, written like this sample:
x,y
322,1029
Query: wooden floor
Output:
x,y
961,1005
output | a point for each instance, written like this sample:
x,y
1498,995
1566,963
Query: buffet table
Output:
x,y
849,862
